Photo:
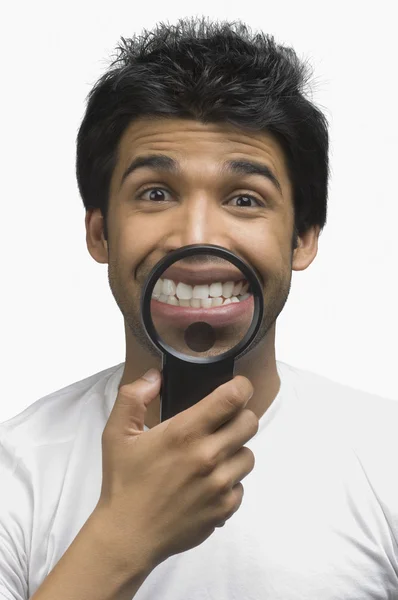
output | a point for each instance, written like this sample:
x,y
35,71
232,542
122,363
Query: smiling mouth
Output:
x,y
201,296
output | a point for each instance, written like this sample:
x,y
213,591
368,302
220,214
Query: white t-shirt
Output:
x,y
318,521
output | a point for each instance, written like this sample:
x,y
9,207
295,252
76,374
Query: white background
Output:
x,y
59,321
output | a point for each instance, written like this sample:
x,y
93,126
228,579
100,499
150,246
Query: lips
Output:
x,y
216,317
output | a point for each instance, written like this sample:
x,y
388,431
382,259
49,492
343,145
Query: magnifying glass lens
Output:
x,y
202,306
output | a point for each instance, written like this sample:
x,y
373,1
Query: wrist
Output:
x,y
128,554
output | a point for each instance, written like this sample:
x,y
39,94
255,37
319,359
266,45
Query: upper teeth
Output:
x,y
184,291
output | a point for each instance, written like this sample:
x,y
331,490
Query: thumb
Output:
x,y
128,413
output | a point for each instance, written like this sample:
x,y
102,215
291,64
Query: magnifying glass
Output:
x,y
201,306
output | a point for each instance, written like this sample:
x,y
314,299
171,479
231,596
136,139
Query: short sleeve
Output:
x,y
15,516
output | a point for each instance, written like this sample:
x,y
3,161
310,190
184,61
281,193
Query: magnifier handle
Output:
x,y
184,384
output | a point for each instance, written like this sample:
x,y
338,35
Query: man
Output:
x,y
201,134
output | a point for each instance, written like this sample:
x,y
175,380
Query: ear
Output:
x,y
96,243
307,249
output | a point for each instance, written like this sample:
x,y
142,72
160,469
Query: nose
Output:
x,y
197,220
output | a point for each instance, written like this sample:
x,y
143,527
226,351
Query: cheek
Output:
x,y
280,235
133,236
127,251
269,248
136,246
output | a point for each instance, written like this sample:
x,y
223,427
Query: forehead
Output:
x,y
199,146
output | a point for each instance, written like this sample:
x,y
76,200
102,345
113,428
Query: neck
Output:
x,y
259,366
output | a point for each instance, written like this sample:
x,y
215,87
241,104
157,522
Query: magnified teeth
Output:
x,y
230,300
184,291
195,302
227,288
244,297
215,289
169,287
206,302
199,302
237,288
217,301
185,302
158,289
245,287
200,291
201,295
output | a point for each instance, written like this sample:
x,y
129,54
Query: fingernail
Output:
x,y
151,375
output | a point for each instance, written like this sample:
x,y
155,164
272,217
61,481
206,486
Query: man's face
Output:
x,y
153,211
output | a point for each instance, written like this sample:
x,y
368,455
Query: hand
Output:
x,y
168,488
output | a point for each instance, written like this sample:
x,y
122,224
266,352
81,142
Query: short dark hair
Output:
x,y
213,72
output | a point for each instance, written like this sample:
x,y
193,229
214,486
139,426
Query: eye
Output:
x,y
245,201
159,195
155,194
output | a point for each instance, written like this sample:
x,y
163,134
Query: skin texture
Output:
x,y
200,205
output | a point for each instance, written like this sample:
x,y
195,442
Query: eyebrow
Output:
x,y
161,162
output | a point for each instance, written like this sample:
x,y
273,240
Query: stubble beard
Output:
x,y
276,294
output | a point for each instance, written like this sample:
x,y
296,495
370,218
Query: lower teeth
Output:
x,y
200,303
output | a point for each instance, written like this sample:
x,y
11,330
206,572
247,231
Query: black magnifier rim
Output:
x,y
183,252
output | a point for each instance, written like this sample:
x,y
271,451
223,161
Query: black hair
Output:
x,y
213,72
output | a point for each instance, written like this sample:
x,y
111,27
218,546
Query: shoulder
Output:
x,y
54,418
35,446
35,450
364,423
353,409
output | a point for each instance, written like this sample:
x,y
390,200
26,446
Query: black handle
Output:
x,y
184,383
